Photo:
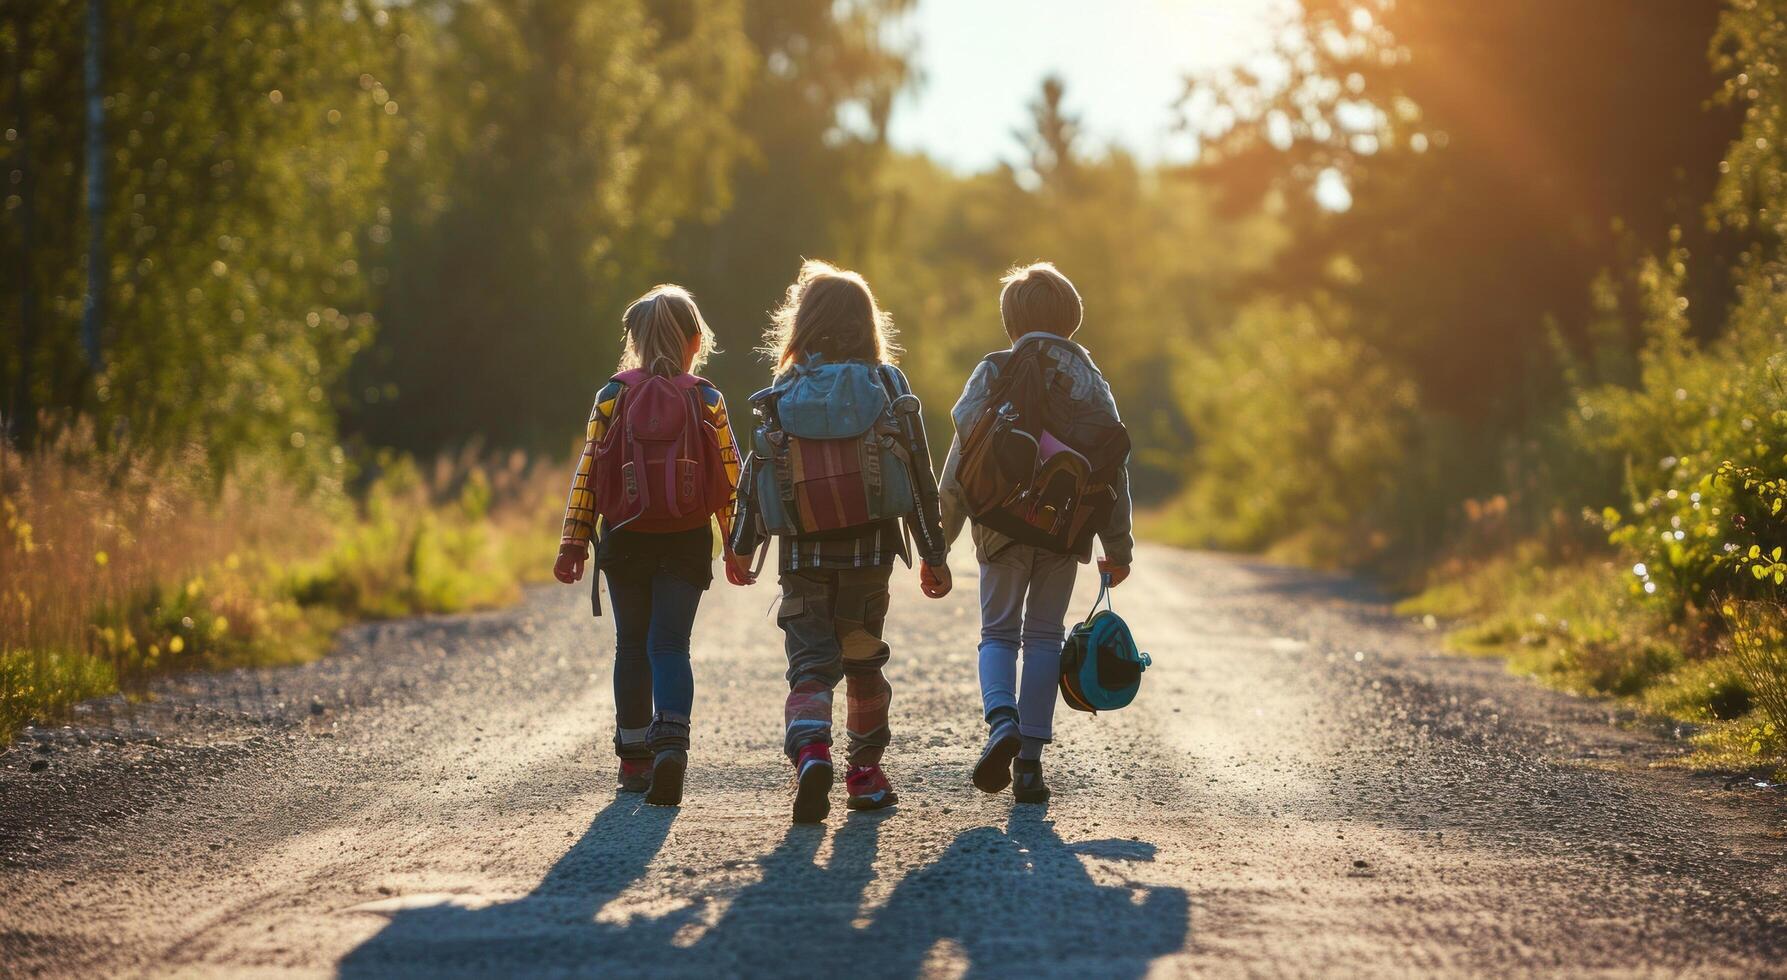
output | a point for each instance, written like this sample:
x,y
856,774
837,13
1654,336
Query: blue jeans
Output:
x,y
1024,592
654,688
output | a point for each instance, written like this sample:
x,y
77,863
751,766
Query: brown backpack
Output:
x,y
1032,468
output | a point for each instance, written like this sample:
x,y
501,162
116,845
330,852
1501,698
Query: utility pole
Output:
x,y
93,307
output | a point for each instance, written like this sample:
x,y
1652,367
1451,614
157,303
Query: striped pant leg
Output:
x,y
860,609
814,659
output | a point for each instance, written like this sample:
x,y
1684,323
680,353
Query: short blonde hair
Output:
x,y
1037,297
829,311
658,327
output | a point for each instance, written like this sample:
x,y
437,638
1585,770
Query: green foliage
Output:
x,y
558,145
1156,267
1303,428
1759,651
403,555
807,181
1703,435
36,683
1497,157
246,180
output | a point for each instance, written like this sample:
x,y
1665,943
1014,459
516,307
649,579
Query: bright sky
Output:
x,y
1124,61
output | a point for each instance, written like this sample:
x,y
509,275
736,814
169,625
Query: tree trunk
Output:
x,y
21,413
93,309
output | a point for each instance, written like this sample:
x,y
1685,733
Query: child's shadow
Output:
x,y
1017,901
799,919
1021,903
551,929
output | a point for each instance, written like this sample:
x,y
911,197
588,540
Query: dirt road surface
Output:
x,y
1303,788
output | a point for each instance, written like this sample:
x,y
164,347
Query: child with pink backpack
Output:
x,y
659,467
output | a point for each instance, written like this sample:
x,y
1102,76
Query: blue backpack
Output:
x,y
1101,668
830,448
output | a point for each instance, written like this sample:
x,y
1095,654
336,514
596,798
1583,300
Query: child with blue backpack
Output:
x,y
837,463
1040,464
659,467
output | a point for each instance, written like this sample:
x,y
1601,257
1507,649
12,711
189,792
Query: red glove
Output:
x,y
569,567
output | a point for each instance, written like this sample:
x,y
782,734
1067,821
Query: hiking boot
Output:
x,y
993,772
813,773
1026,781
635,776
667,778
869,789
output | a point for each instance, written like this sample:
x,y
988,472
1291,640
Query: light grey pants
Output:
x,y
1024,592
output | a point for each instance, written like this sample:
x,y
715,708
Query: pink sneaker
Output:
x,y
869,789
813,773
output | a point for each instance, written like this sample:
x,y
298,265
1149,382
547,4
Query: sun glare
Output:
x,y
1124,62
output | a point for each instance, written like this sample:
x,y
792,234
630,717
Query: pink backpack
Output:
x,y
658,467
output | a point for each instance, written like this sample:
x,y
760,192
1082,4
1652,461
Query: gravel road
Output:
x,y
1303,788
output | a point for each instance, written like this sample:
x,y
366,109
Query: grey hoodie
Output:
x,y
1091,394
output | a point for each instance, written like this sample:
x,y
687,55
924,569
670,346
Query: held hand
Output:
x,y
1117,572
569,567
935,580
738,569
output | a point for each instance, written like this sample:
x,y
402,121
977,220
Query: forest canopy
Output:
x,y
330,226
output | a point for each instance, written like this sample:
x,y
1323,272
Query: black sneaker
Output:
x,y
993,772
667,778
635,776
1026,781
813,772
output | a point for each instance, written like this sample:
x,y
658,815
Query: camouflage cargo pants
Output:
x,y
832,620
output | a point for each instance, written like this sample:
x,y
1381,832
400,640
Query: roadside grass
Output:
x,y
114,569
1579,626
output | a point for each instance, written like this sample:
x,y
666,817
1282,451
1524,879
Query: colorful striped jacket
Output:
x,y
580,506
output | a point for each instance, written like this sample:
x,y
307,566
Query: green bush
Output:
x,y
1702,436
1303,431
33,682
1685,617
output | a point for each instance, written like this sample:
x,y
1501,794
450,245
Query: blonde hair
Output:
x,y
1038,297
828,311
658,328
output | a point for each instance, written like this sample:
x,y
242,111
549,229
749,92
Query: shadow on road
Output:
x,y
551,929
1011,901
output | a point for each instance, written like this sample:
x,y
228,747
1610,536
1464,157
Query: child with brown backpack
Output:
x,y
838,462
1039,463
659,466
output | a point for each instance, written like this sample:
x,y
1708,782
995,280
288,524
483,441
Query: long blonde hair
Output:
x,y
828,311
658,327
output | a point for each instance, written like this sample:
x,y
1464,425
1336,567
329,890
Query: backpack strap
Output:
x,y
1104,596
595,568
883,434
781,467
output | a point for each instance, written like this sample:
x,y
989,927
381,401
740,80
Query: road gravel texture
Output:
x,y
1303,788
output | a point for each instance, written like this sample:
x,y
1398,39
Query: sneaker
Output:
x,y
667,778
812,800
635,775
869,789
1026,781
993,772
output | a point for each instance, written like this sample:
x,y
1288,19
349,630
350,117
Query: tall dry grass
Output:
x,y
116,566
